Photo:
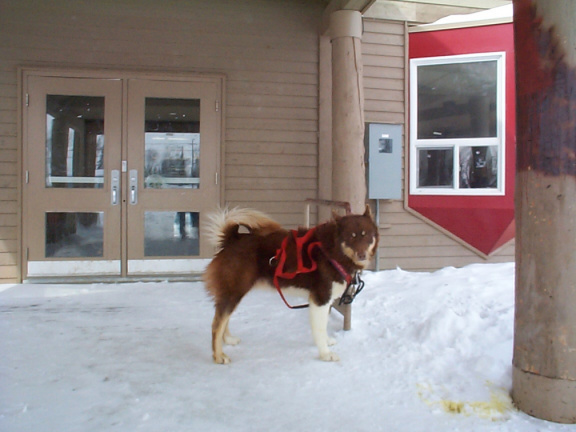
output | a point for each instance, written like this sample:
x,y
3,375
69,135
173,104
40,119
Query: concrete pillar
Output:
x,y
348,168
544,373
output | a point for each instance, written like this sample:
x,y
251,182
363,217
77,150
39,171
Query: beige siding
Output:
x,y
268,50
9,204
407,241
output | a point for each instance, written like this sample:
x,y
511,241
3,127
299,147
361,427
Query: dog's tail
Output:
x,y
224,223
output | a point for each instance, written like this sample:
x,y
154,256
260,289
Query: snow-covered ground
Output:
x,y
427,352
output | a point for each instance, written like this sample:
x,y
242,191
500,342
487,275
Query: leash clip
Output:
x,y
349,295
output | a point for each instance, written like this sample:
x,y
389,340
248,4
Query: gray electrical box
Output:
x,y
384,145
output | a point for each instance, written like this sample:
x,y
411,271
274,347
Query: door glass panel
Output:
x,y
168,233
74,141
74,234
172,143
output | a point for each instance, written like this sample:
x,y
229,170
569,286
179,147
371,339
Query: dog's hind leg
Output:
x,y
219,324
228,338
220,332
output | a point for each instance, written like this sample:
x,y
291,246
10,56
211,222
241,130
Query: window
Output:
x,y
457,125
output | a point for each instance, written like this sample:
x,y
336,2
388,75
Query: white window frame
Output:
x,y
456,143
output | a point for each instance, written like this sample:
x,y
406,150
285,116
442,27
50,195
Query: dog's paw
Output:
x,y
331,341
329,357
221,359
231,340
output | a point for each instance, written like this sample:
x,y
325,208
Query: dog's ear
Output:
x,y
368,211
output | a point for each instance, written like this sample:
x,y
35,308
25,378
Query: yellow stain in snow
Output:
x,y
494,409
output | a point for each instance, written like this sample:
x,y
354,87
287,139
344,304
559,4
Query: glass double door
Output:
x,y
119,175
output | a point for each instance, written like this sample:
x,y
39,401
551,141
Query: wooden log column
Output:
x,y
544,365
348,167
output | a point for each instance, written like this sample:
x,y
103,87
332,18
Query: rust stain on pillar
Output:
x,y
544,383
546,96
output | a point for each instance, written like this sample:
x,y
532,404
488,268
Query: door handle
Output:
x,y
115,186
133,184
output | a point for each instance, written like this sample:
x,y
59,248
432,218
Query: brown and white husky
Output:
x,y
317,261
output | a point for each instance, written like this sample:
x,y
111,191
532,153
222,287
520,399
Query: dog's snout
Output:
x,y
361,256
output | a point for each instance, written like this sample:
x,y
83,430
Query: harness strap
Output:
x,y
281,256
345,275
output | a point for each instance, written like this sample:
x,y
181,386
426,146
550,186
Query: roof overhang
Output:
x,y
499,15
335,5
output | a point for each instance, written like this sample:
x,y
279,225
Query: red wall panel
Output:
x,y
484,222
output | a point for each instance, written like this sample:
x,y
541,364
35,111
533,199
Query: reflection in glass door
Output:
x,y
74,159
172,161
74,234
168,233
74,141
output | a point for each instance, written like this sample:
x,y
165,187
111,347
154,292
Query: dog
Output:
x,y
317,261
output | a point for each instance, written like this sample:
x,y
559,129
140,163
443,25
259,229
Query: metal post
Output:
x,y
345,309
544,374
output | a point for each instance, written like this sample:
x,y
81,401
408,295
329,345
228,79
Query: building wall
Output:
x,y
268,50
407,241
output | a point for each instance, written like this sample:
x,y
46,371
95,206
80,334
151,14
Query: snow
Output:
x,y
427,352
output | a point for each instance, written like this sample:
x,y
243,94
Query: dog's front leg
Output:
x,y
319,325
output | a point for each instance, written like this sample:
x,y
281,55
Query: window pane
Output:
x,y
74,234
172,143
169,233
436,167
74,141
479,167
457,100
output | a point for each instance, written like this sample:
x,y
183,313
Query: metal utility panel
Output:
x,y
384,142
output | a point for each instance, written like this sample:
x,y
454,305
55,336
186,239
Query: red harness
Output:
x,y
281,256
